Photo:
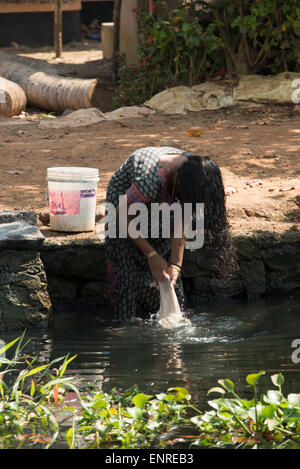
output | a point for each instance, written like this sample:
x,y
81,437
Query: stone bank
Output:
x,y
41,274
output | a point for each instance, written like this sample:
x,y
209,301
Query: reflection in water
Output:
x,y
227,340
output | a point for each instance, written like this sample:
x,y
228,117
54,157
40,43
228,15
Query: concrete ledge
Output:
x,y
20,235
9,216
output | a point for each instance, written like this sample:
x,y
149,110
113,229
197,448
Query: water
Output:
x,y
225,340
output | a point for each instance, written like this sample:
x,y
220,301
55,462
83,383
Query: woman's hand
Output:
x,y
173,273
158,267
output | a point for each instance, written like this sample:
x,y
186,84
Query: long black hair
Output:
x,y
199,180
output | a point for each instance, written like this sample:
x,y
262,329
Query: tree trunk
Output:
x,y
45,89
116,48
12,98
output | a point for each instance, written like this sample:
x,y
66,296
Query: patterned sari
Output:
x,y
131,291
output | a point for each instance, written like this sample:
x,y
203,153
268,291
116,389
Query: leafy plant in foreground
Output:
x,y
128,420
34,412
271,422
29,398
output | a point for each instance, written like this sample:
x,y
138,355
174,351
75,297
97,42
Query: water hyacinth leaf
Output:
x,y
170,398
216,403
256,411
277,379
274,397
267,412
247,403
224,415
101,428
271,424
99,403
240,412
161,396
140,400
152,425
135,412
216,389
227,384
294,399
103,413
252,378
197,420
182,393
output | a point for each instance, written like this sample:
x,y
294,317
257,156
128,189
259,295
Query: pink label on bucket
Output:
x,y
64,202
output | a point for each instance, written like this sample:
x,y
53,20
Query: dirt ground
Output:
x,y
256,146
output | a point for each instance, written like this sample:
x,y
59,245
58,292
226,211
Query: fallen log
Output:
x,y
12,98
45,88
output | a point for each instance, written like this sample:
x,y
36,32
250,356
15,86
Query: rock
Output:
x,y
281,88
80,259
254,183
197,263
283,282
94,293
253,276
201,287
9,216
90,116
76,272
282,258
230,190
61,289
128,112
268,264
20,235
181,99
226,288
283,265
246,248
24,299
77,118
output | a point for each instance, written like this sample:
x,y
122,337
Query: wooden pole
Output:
x,y
58,28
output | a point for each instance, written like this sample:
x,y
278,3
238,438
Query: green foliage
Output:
x,y
34,412
128,420
173,49
28,404
187,45
259,36
269,423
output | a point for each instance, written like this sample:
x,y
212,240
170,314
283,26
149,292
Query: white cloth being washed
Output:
x,y
170,315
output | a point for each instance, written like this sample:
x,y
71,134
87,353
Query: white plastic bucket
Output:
x,y
72,195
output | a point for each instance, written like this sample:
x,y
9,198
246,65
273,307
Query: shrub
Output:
x,y
187,45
